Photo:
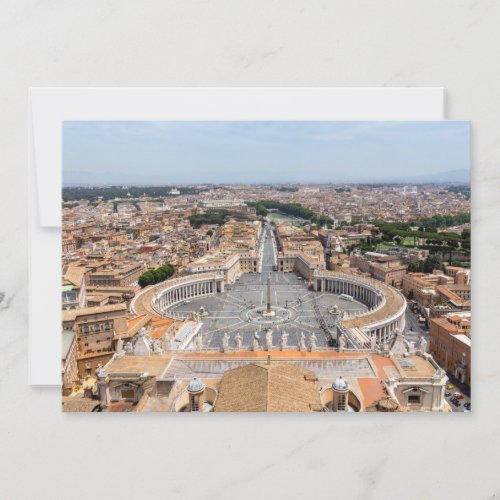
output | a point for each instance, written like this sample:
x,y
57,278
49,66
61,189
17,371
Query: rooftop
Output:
x,y
280,387
463,338
89,311
153,365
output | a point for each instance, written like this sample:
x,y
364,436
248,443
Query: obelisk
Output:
x,y
269,294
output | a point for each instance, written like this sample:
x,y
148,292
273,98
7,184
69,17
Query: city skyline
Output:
x,y
162,153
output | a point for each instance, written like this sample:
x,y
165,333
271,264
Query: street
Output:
x,y
414,330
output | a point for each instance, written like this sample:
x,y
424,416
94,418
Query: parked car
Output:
x,y
450,387
458,395
467,406
187,302
447,394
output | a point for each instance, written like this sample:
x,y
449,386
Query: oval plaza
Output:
x,y
274,332
318,303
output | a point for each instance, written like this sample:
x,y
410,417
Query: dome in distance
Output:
x,y
196,385
340,385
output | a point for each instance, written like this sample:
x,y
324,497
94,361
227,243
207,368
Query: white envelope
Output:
x,y
51,106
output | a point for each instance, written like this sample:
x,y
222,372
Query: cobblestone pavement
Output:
x,y
228,312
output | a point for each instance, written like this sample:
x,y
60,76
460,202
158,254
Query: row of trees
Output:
x,y
294,209
153,276
444,221
210,217
70,205
427,230
120,202
428,265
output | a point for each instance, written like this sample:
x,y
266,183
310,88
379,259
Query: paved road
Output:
x,y
413,329
269,251
461,388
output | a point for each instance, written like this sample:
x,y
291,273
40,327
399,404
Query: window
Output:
x,y
414,399
341,405
128,393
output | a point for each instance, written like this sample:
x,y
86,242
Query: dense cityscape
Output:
x,y
255,297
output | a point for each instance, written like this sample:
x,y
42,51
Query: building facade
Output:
x,y
450,344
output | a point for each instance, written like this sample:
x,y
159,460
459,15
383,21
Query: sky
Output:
x,y
174,153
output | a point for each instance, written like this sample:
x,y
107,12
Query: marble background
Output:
x,y
450,43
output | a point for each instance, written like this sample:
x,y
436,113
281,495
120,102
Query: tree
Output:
x,y
153,276
261,209
146,279
210,217
465,240
432,262
415,267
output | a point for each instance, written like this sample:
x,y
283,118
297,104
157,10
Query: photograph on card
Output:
x,y
266,266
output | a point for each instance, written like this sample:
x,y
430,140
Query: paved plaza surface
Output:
x,y
236,310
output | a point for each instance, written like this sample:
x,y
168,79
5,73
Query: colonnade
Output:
x,y
371,295
178,291
385,333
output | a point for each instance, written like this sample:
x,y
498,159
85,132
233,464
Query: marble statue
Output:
x,y
239,341
302,342
255,343
342,342
313,342
157,349
119,346
197,342
269,340
225,342
100,371
422,344
373,342
284,341
128,347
